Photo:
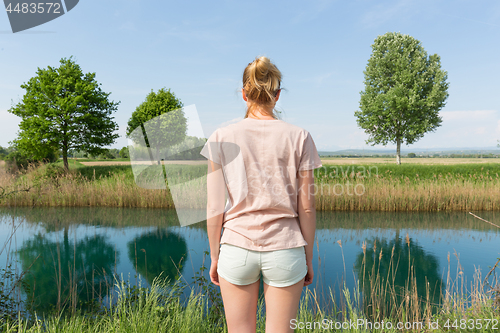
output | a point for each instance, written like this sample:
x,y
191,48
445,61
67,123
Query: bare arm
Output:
x,y
307,210
215,207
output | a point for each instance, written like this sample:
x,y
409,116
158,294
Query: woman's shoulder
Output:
x,y
280,127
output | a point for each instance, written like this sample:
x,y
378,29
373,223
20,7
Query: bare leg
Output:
x,y
240,306
282,304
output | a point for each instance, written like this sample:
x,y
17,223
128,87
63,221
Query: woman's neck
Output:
x,y
258,114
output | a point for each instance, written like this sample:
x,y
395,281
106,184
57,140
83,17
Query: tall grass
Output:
x,y
359,188
159,309
414,188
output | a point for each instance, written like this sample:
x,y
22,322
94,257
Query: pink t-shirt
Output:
x,y
260,161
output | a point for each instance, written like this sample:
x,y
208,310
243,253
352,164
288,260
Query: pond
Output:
x,y
83,247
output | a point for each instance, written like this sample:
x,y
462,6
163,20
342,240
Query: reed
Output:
x,y
416,188
159,309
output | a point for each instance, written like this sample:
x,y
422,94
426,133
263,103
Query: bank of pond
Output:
x,y
378,187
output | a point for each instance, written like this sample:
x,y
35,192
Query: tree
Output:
x,y
108,154
3,152
404,91
64,109
124,152
162,121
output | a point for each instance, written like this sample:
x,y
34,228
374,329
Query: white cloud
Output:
x,y
471,128
467,115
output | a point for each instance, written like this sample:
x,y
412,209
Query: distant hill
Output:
x,y
416,151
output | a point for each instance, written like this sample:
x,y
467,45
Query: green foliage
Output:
x,y
155,105
63,108
162,118
19,159
3,152
404,91
411,155
188,149
216,311
49,173
9,305
109,154
124,152
415,172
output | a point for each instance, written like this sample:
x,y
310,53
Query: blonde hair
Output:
x,y
261,83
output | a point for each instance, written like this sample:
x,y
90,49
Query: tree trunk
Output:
x,y
65,158
398,151
147,143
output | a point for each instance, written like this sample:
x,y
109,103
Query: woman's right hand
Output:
x,y
310,274
214,276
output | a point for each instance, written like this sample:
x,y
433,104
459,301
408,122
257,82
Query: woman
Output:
x,y
266,165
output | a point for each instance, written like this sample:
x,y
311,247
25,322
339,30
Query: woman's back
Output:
x,y
261,159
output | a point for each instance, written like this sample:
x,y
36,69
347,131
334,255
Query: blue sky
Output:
x,y
199,49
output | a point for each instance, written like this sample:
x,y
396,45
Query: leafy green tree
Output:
x,y
18,159
411,155
155,117
124,152
108,154
3,152
404,91
63,108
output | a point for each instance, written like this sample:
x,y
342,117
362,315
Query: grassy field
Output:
x,y
416,160
335,160
352,187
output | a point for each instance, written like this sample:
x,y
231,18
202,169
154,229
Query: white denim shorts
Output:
x,y
280,268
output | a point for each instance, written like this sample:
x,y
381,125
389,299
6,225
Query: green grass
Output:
x,y
158,310
412,171
382,187
96,159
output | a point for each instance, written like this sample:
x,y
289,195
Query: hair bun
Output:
x,y
261,80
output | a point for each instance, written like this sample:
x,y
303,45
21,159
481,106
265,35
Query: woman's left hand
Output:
x,y
214,276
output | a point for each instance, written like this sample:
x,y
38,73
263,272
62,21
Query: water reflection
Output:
x,y
94,233
66,273
158,252
402,263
